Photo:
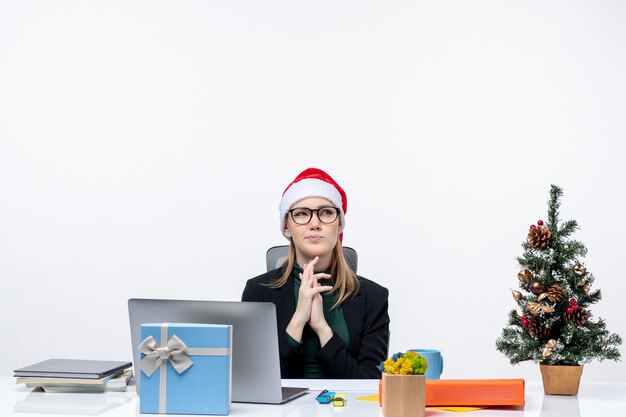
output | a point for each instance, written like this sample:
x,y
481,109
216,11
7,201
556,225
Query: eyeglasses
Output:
x,y
303,215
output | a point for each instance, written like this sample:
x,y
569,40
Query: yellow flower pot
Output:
x,y
404,395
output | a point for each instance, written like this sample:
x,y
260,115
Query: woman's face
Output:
x,y
314,238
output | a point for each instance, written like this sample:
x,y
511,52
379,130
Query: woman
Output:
x,y
331,322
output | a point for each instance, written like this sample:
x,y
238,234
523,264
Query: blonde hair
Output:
x,y
345,282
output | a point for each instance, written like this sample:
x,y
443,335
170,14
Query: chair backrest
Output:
x,y
277,255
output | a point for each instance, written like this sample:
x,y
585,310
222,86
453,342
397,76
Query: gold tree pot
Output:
x,y
561,379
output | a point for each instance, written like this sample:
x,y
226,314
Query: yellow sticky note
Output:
x,y
456,409
372,398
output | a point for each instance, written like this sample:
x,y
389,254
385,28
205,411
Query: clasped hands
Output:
x,y
310,308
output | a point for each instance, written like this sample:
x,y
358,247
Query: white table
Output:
x,y
593,400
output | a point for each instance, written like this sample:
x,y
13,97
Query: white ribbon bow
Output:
x,y
175,350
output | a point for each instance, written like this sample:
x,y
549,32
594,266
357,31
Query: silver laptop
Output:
x,y
256,362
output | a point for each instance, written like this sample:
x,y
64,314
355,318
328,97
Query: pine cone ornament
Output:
x,y
554,293
539,236
537,328
577,315
581,316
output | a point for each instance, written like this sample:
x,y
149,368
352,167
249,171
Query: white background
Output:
x,y
144,146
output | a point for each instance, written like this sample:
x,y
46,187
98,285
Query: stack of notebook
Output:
x,y
76,375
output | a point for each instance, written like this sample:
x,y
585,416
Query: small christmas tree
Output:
x,y
556,326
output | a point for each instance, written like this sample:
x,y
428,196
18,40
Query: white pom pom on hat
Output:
x,y
313,182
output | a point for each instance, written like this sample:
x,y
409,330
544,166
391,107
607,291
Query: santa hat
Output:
x,y
313,182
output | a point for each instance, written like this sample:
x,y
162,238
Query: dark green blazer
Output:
x,y
366,316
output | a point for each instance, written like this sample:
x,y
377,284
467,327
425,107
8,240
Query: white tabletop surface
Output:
x,y
594,399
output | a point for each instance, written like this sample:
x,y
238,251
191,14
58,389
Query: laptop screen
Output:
x,y
256,362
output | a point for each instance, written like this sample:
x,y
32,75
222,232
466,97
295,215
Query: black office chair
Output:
x,y
277,255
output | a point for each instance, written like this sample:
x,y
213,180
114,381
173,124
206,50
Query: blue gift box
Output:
x,y
185,368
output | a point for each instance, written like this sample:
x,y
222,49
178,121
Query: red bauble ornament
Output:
x,y
532,226
540,222
572,301
570,310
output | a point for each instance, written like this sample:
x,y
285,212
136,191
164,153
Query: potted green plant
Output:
x,y
404,385
553,324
